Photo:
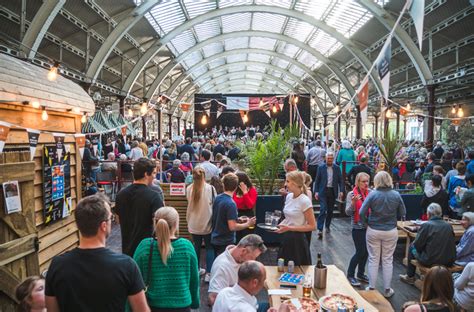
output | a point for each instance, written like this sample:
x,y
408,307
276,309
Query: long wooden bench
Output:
x,y
423,270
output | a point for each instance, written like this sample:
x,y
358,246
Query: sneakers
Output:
x,y
368,288
388,293
353,281
363,278
207,277
320,234
407,279
202,271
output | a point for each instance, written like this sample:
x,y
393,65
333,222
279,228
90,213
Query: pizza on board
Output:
x,y
307,305
331,302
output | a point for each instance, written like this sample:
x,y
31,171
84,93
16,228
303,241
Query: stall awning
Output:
x,y
103,122
21,81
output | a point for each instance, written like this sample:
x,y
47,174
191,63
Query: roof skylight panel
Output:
x,y
207,29
168,15
280,63
196,8
313,8
262,43
184,41
322,41
280,3
296,71
345,15
268,22
317,64
216,63
200,71
252,75
213,48
228,3
236,22
298,30
193,59
236,58
260,68
290,50
259,58
154,24
307,58
236,43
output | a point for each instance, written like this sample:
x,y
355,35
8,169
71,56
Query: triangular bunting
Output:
x,y
383,66
417,12
80,143
33,136
4,129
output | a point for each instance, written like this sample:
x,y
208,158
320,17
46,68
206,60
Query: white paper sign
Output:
x,y
11,192
177,189
67,204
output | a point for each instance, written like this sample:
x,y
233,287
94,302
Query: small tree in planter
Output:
x,y
390,146
264,159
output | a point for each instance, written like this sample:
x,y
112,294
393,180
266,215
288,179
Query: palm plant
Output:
x,y
390,146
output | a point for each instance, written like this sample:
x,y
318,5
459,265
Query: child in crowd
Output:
x,y
30,295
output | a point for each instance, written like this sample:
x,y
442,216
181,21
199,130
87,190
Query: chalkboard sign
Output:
x,y
56,184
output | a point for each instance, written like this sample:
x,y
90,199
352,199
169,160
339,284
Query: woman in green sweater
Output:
x,y
173,277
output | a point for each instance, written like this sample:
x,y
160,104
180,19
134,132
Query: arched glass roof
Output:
x,y
345,16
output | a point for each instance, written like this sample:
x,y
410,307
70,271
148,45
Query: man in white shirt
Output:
x,y
225,267
210,170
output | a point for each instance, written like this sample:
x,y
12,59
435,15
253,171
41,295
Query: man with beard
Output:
x,y
92,277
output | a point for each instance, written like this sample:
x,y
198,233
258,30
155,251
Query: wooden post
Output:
x,y
170,128
430,89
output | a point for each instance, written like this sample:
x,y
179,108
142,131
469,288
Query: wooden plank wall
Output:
x,y
63,235
180,203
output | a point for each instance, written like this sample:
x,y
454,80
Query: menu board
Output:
x,y
56,184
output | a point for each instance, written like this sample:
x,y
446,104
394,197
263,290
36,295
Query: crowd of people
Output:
x,y
159,271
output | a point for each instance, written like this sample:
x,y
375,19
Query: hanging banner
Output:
x,y
4,129
417,12
68,148
59,139
218,113
383,66
185,107
420,118
80,143
33,136
363,97
438,122
268,112
239,103
208,112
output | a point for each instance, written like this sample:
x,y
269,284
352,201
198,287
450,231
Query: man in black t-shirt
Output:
x,y
136,204
91,277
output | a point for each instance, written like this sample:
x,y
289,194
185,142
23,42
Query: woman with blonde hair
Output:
x,y
437,293
200,197
299,221
168,265
354,201
383,206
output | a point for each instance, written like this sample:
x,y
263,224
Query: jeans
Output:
x,y
94,172
411,269
381,245
359,259
197,242
326,208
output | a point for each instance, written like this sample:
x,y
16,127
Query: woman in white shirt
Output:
x,y
136,152
299,219
200,197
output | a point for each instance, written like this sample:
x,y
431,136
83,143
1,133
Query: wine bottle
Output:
x,y
319,264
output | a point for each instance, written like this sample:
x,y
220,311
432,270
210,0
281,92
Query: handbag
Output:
x,y
148,274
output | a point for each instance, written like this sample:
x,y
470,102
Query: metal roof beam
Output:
x,y
39,26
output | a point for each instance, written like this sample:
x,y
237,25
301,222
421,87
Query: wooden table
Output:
x,y
337,282
407,227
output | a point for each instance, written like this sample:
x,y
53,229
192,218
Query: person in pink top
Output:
x,y
245,198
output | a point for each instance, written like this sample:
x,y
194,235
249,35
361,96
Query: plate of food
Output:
x,y
267,227
332,302
305,305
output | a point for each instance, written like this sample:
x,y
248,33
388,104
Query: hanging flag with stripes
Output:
x,y
417,12
363,97
383,66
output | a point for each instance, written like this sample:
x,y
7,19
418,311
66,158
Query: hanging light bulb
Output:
x,y
245,119
260,103
453,110
274,109
460,112
204,119
388,114
143,108
35,104
295,100
44,114
53,72
408,106
337,108
130,112
84,118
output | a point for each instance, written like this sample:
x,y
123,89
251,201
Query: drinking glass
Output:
x,y
277,213
307,286
268,218
275,220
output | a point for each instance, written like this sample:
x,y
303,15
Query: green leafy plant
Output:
x,y
390,145
264,159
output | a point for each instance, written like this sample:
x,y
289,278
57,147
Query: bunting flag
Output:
x,y
80,143
363,97
420,118
208,112
33,136
59,139
438,122
185,107
218,113
417,12
383,66
4,129
238,103
268,112
67,148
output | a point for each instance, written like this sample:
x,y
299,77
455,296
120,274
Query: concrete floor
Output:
x,y
337,248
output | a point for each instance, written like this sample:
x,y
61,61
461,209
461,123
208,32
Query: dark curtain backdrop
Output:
x,y
231,118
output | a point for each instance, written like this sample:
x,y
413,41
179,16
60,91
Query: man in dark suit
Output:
x,y
328,186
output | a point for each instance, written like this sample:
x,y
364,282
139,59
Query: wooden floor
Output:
x,y
336,248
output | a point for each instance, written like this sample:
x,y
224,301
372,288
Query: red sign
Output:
x,y
177,189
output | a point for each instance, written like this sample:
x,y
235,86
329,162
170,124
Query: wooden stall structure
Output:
x,y
27,245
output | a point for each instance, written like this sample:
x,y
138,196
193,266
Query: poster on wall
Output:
x,y
56,184
11,193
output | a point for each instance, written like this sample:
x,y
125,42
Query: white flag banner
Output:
x,y
383,66
33,136
80,143
268,112
218,114
238,102
417,12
